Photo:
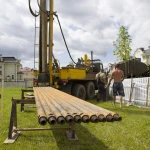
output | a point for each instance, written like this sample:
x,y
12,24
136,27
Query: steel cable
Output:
x,y
35,15
63,37
46,12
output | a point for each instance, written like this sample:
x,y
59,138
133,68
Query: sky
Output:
x,y
88,25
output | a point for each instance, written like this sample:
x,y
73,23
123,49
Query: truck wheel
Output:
x,y
79,91
90,90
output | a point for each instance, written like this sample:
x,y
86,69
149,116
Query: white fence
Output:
x,y
138,93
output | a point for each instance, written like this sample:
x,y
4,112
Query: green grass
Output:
x,y
133,132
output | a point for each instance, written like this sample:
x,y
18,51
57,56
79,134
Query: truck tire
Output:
x,y
79,91
90,90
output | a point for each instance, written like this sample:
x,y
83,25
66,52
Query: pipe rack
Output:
x,y
54,106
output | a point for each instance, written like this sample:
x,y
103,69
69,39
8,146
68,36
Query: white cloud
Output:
x,y
87,26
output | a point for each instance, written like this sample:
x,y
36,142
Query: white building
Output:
x,y
9,68
27,73
144,55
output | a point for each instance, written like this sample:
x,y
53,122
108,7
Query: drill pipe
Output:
x,y
101,118
40,111
88,106
99,109
68,117
51,120
77,107
51,103
94,119
117,117
60,119
55,112
85,119
87,110
50,117
77,118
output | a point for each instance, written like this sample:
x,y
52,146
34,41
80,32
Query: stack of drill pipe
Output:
x,y
108,115
66,108
76,112
44,112
55,109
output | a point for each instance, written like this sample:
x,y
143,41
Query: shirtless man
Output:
x,y
118,77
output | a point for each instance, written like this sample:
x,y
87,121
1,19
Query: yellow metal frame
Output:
x,y
72,73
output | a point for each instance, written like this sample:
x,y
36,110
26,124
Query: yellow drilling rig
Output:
x,y
78,79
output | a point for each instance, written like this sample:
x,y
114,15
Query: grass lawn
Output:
x,y
132,133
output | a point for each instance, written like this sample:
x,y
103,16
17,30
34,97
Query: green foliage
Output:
x,y
122,45
129,134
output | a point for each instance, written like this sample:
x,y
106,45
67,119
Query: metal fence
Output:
x,y
137,91
20,84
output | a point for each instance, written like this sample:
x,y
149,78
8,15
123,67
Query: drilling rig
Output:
x,y
78,80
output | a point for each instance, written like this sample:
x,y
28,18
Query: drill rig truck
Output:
x,y
78,80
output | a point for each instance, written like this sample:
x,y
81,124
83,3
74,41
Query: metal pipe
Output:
x,y
107,115
117,117
57,105
38,129
56,109
101,118
40,111
69,119
61,120
85,119
67,108
77,119
109,118
51,120
44,35
94,119
42,120
51,3
87,110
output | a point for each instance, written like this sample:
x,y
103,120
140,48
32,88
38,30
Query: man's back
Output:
x,y
118,75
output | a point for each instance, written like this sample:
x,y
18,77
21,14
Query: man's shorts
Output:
x,y
118,89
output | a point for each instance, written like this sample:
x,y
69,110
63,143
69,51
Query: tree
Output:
x,y
122,45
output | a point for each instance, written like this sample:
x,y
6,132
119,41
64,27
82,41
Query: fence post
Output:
x,y
131,90
25,83
2,101
147,92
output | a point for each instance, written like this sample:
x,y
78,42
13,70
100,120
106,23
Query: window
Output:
x,y
20,77
12,76
147,57
0,72
143,57
0,67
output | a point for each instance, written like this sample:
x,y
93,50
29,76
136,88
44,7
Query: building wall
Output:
x,y
145,56
1,71
28,75
9,69
138,54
